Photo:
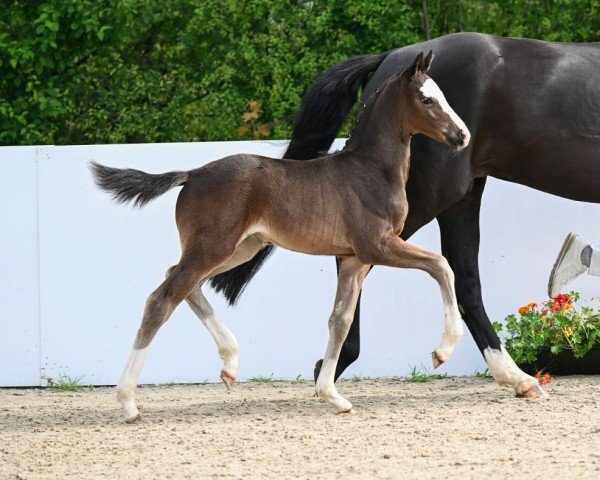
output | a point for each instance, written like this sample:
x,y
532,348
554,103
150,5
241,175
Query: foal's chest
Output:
x,y
396,210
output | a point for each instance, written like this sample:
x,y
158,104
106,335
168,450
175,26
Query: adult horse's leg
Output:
x,y
459,228
350,277
227,344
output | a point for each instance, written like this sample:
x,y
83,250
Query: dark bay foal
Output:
x,y
351,204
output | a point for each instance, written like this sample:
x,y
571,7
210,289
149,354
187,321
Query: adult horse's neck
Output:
x,y
378,135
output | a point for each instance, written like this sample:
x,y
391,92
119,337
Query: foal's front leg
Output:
x,y
395,252
350,277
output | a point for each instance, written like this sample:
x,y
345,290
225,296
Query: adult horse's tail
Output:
x,y
325,107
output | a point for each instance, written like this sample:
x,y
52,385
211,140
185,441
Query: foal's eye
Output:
x,y
426,100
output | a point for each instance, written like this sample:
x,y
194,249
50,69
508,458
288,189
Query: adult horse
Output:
x,y
533,108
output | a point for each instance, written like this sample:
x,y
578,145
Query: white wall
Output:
x,y
19,267
76,268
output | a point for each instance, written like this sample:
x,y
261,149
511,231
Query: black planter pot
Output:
x,y
565,363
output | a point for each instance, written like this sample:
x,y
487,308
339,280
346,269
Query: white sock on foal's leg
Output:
x,y
326,387
350,277
128,383
225,340
453,332
453,325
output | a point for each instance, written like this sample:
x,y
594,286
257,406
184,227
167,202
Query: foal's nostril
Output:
x,y
455,138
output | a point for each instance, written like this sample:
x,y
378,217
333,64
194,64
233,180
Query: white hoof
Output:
x,y
132,417
342,405
130,411
349,412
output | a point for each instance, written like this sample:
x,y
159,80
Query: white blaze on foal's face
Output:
x,y
430,89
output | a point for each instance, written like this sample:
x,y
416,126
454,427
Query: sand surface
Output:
x,y
459,428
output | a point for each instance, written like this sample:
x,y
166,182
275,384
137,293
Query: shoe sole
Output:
x,y
561,255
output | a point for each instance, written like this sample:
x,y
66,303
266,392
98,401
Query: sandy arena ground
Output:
x,y
458,428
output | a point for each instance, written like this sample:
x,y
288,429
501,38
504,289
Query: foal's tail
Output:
x,y
128,185
325,107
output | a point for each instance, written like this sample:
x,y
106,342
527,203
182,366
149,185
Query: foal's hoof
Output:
x,y
436,359
228,379
350,411
317,370
132,418
535,391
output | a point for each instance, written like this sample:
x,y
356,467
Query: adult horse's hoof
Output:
x,y
228,380
535,391
317,370
436,359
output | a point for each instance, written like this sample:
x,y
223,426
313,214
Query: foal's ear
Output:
x,y
416,65
426,64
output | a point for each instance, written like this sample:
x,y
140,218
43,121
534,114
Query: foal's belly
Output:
x,y
310,239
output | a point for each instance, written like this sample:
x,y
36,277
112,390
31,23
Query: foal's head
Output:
x,y
423,107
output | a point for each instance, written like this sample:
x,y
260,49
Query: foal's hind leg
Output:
x,y
350,277
227,344
395,252
159,307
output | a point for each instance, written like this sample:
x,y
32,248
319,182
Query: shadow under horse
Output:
x,y
533,109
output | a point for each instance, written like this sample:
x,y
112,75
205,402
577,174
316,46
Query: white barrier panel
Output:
x,y
19,267
74,307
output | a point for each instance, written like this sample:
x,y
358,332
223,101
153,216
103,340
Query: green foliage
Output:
x,y
42,47
422,375
556,326
263,379
87,71
553,20
485,374
65,383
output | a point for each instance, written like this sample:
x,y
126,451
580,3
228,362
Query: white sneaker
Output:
x,y
568,265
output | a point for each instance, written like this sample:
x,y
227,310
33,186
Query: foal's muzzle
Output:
x,y
457,138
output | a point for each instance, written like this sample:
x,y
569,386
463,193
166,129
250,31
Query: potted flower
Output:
x,y
555,336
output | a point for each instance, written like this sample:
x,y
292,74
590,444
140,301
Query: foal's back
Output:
x,y
302,206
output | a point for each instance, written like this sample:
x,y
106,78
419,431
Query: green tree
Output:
x,y
106,71
43,45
